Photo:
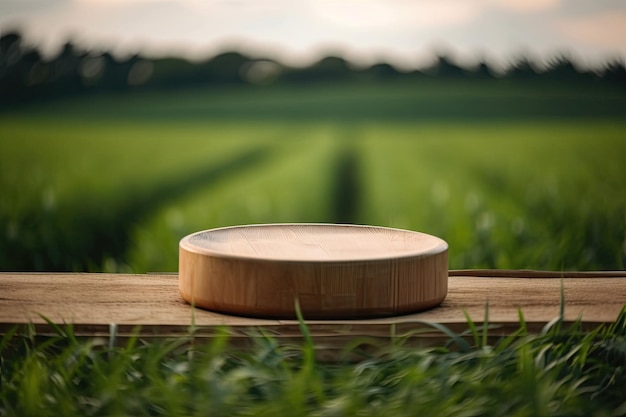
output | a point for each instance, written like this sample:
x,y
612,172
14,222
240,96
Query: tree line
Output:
x,y
26,76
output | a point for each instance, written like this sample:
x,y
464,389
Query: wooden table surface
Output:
x,y
93,302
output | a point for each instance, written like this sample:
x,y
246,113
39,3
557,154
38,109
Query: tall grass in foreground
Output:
x,y
563,371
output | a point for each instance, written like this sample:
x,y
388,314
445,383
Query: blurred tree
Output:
x,y
140,72
522,69
444,67
21,70
175,72
261,71
381,71
116,72
615,72
327,69
92,69
65,74
226,68
482,70
10,50
562,68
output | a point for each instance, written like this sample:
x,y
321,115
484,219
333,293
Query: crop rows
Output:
x,y
119,196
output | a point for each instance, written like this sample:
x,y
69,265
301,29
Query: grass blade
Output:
x,y
485,326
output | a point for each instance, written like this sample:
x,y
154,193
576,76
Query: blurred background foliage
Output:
x,y
25,75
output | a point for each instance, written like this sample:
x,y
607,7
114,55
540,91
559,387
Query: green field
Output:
x,y
511,176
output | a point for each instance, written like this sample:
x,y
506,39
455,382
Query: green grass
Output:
x,y
512,174
72,190
119,195
291,186
511,195
543,195
563,371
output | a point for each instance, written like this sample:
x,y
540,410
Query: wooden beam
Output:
x,y
151,305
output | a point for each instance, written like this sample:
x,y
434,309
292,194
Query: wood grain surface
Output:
x,y
334,271
313,242
92,302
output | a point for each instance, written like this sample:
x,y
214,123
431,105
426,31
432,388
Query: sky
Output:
x,y
405,33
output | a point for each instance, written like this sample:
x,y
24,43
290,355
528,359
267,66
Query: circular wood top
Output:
x,y
313,243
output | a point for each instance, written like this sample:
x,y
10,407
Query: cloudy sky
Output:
x,y
404,32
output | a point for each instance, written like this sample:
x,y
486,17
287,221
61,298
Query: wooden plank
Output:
x,y
531,273
92,302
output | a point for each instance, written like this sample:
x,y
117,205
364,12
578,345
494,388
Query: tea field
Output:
x,y
113,183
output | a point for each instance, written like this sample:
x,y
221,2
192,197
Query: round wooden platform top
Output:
x,y
313,242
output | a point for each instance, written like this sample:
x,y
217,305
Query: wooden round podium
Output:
x,y
333,271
